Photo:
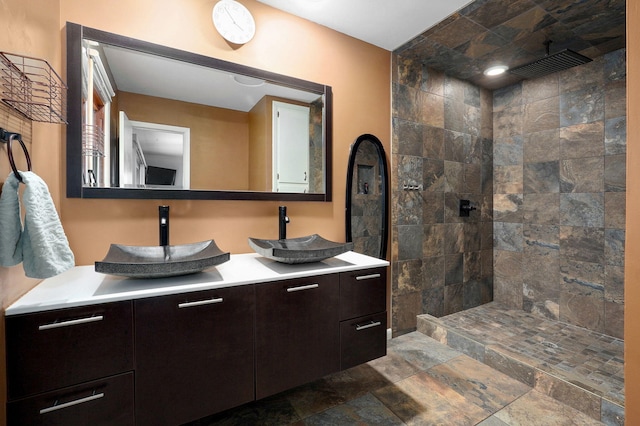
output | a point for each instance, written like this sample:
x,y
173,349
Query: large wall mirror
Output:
x,y
149,121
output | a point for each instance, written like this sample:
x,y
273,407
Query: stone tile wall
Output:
x,y
316,149
442,145
548,174
559,194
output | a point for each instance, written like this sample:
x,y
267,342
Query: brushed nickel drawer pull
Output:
x,y
302,287
71,322
367,277
200,302
72,403
369,325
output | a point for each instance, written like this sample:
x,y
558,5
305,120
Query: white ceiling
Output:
x,y
384,23
145,74
151,75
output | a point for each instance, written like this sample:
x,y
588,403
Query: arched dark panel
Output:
x,y
367,207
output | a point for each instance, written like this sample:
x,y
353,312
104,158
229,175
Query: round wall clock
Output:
x,y
233,21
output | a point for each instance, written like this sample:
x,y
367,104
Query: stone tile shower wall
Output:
x,y
559,194
441,153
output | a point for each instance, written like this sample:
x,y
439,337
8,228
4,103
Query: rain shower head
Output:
x,y
562,60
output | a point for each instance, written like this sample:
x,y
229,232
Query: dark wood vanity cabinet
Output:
x,y
66,366
363,316
168,360
297,332
194,354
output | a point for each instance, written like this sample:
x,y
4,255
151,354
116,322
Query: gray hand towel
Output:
x,y
10,225
42,245
45,249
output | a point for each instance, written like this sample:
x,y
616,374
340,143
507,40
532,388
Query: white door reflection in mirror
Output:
x,y
290,147
126,164
154,155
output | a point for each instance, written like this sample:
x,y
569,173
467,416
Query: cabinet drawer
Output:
x,y
363,339
54,349
363,292
100,402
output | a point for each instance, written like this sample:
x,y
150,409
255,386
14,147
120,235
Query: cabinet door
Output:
x,y
101,402
363,339
194,354
297,332
53,349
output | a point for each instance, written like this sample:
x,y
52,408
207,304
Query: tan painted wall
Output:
x,y
632,249
358,72
32,31
260,158
212,130
35,28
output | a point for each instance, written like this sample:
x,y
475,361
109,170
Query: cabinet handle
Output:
x,y
72,403
369,325
302,287
200,302
71,322
367,277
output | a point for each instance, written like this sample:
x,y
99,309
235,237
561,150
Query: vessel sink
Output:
x,y
161,261
312,248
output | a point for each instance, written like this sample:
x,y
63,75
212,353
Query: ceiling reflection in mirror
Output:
x,y
157,122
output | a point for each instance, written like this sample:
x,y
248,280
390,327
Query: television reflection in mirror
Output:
x,y
160,176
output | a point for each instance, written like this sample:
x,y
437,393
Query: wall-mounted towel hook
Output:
x,y
8,138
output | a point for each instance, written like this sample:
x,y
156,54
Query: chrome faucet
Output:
x,y
283,219
163,213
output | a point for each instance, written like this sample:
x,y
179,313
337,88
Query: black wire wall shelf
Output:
x,y
33,88
92,141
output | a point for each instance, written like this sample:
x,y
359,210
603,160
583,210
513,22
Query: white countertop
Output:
x,y
82,286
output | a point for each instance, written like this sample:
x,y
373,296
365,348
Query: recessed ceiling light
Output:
x,y
245,80
496,70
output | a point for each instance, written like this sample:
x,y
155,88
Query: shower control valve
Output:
x,y
466,208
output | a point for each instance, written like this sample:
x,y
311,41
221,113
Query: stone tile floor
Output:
x,y
579,367
593,359
419,382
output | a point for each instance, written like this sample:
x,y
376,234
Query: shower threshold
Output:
x,y
579,367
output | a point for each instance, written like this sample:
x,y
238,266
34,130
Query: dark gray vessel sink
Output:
x,y
312,248
161,261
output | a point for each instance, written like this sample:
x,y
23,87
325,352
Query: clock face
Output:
x,y
233,21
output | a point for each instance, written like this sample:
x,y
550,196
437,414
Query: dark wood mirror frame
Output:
x,y
75,189
383,189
